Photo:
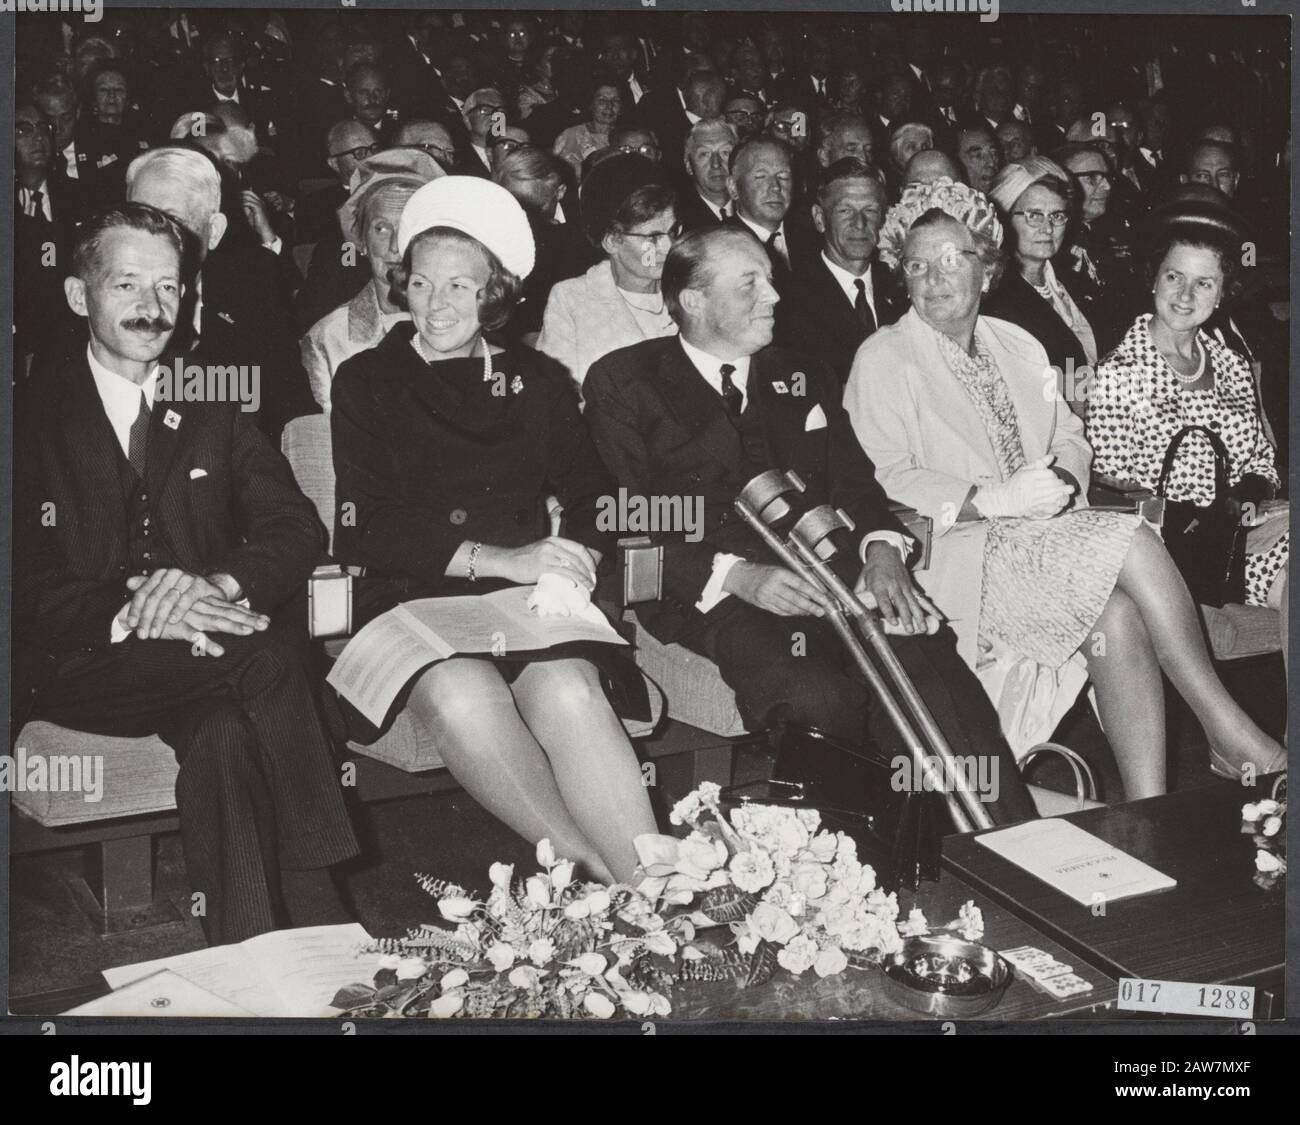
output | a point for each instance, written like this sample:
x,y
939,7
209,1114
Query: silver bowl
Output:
x,y
946,977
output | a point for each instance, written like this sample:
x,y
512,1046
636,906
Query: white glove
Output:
x,y
558,596
1033,492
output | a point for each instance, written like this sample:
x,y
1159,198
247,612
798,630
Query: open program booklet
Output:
x,y
381,659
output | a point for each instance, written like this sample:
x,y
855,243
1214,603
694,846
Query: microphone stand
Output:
x,y
807,553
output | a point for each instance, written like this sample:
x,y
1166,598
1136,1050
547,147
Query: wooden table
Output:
x,y
859,993
1215,927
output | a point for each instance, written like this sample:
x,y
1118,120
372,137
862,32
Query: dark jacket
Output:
x,y
664,432
430,458
817,318
243,514
1016,300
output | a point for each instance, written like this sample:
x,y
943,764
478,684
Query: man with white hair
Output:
x,y
235,311
706,201
483,111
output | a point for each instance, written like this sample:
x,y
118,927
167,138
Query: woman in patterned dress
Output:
x,y
1166,374
962,417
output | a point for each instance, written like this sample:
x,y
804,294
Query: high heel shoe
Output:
x,y
1221,767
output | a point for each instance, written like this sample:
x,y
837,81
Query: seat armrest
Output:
x,y
919,527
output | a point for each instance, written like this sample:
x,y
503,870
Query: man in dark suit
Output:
x,y
237,311
842,295
703,200
761,186
701,414
159,600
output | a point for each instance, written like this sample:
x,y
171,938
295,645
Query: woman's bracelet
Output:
x,y
473,558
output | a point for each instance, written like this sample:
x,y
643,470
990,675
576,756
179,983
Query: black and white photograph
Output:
x,y
649,518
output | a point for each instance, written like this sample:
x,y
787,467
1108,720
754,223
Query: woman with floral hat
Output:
x,y
962,417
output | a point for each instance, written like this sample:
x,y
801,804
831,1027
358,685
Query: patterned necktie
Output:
x,y
862,307
137,442
731,394
36,204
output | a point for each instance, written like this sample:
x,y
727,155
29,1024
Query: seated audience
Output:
x,y
951,407
605,105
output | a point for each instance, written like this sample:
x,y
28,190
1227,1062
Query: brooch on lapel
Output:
x,y
780,388
171,420
516,385
226,317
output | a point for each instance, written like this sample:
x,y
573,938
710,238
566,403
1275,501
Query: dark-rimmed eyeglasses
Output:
x,y
440,154
31,128
649,150
654,238
361,152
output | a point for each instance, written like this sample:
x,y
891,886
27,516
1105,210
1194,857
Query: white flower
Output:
x,y
659,1005
525,976
599,1005
541,951
501,956
697,856
1267,862
389,962
456,909
661,942
545,854
638,1003
501,874
972,921
917,924
1268,806
447,1005
1250,813
798,955
597,902
411,968
454,979
593,964
746,939
538,891
752,871
810,880
1272,825
771,923
822,846
830,961
690,953
562,874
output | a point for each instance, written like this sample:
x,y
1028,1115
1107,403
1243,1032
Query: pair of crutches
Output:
x,y
807,550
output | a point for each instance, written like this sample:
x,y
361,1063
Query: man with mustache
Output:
x,y
161,553
699,415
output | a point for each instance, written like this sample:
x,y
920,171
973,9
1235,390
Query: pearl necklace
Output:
x,y
1187,380
487,356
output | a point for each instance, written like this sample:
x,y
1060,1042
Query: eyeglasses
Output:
x,y
361,152
653,238
31,128
949,262
652,151
440,154
1038,219
1093,178
506,144
485,108
742,115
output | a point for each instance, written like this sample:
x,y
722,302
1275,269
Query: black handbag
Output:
x,y
897,830
1208,543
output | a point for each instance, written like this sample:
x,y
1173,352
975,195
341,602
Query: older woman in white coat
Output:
x,y
380,187
627,211
962,418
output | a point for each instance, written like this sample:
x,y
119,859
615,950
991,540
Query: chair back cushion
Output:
x,y
306,445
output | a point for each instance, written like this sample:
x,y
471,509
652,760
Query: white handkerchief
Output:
x,y
816,419
196,473
557,596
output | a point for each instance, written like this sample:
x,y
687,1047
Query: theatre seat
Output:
x,y
1240,631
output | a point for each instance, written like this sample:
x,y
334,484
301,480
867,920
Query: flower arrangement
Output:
x,y
791,897
1266,822
541,946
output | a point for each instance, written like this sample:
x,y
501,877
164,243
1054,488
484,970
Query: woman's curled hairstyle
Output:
x,y
498,297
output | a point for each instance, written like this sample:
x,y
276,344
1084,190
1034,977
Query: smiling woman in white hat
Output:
x,y
445,450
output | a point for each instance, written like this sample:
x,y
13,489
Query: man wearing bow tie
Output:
x,y
161,550
699,415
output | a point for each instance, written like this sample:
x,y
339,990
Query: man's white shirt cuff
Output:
x,y
713,593
904,543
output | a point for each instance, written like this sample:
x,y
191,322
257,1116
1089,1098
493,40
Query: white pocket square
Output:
x,y
816,419
196,473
